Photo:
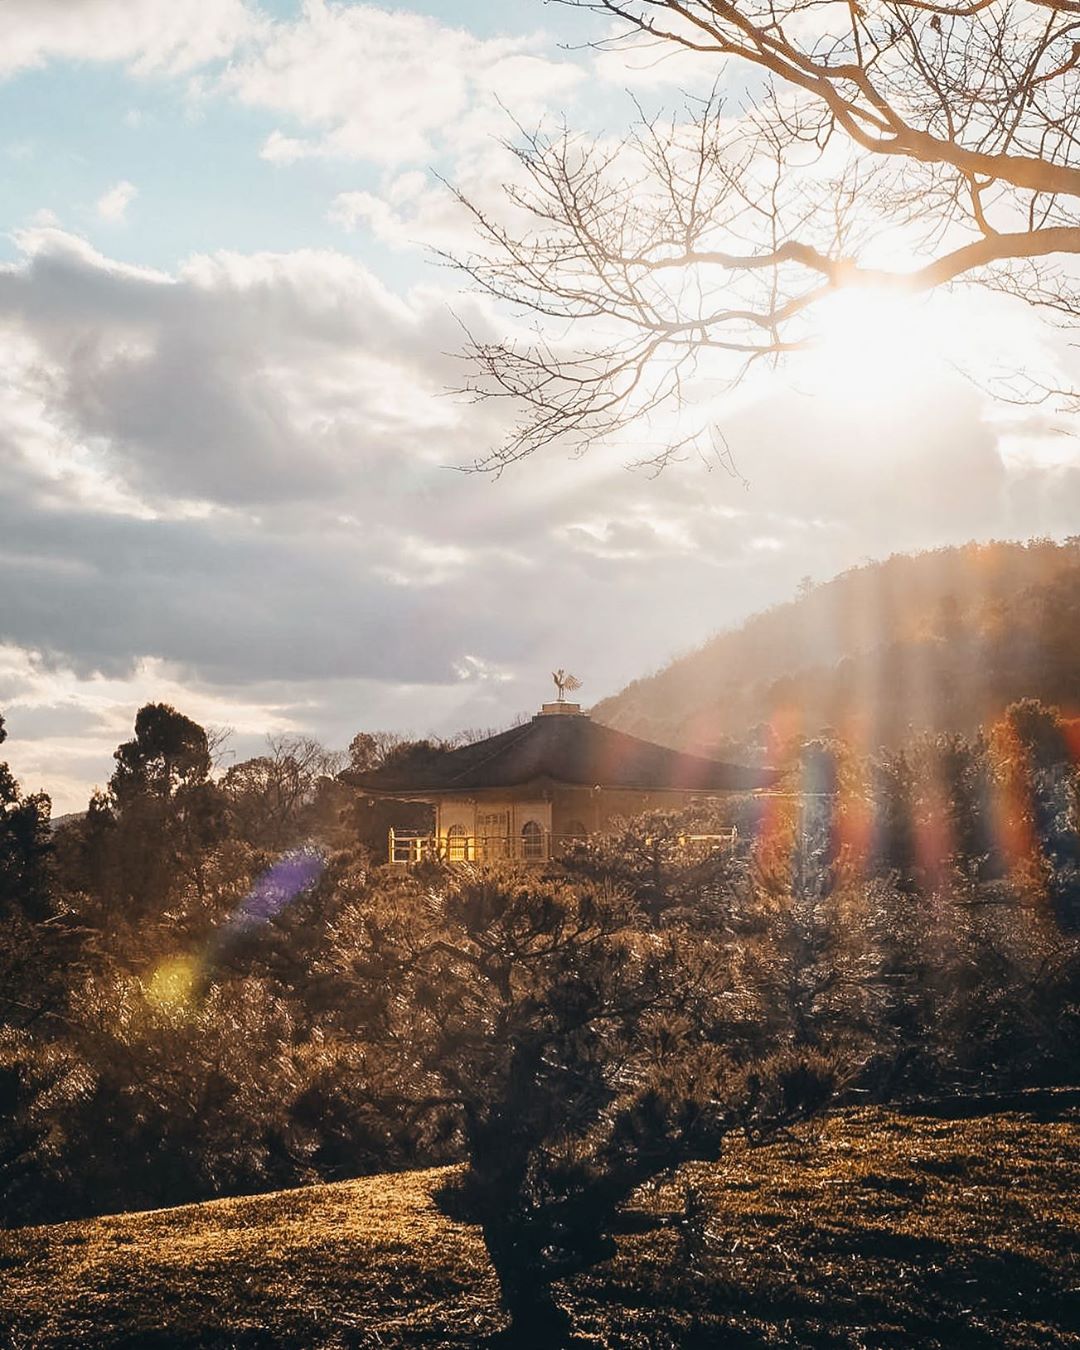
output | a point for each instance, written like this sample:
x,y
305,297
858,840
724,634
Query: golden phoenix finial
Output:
x,y
565,683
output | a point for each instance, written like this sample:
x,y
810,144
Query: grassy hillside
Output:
x,y
939,641
882,1230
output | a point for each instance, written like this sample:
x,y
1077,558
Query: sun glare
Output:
x,y
876,351
871,345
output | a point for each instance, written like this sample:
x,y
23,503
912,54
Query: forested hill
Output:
x,y
937,641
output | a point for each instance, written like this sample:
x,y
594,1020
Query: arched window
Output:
x,y
457,843
532,840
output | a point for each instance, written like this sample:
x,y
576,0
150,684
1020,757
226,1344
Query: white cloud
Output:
x,y
476,669
387,86
350,209
228,486
411,210
304,364
169,36
354,80
279,149
113,204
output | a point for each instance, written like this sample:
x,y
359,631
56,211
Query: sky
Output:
x,y
231,455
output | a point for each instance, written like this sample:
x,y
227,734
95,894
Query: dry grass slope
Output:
x,y
881,1230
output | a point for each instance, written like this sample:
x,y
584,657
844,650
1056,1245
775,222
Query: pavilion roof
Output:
x,y
570,749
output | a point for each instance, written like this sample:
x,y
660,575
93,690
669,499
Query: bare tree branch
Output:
x,y
951,127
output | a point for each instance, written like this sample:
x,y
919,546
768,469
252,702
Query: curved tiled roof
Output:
x,y
570,749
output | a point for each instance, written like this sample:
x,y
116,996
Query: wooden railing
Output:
x,y
407,848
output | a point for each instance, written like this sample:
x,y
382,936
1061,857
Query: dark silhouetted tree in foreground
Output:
x,y
571,1045
40,945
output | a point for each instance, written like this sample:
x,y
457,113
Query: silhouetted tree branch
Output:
x,y
944,137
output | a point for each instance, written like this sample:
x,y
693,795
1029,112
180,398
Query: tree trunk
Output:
x,y
536,1320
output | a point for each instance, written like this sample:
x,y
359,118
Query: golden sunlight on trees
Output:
x,y
894,149
565,1042
900,924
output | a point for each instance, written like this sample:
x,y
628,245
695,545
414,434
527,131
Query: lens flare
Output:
x,y
173,983
277,888
178,981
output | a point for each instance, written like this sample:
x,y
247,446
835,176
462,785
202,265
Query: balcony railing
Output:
x,y
407,848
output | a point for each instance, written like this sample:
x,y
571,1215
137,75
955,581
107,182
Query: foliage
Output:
x,y
567,1043
273,797
24,848
673,864
169,751
900,923
39,940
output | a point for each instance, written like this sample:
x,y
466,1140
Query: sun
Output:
x,y
872,345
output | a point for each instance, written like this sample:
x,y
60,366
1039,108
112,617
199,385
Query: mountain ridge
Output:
x,y
938,641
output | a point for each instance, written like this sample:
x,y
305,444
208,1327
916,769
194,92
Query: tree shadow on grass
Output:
x,y
960,1297
1042,1104
999,1282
